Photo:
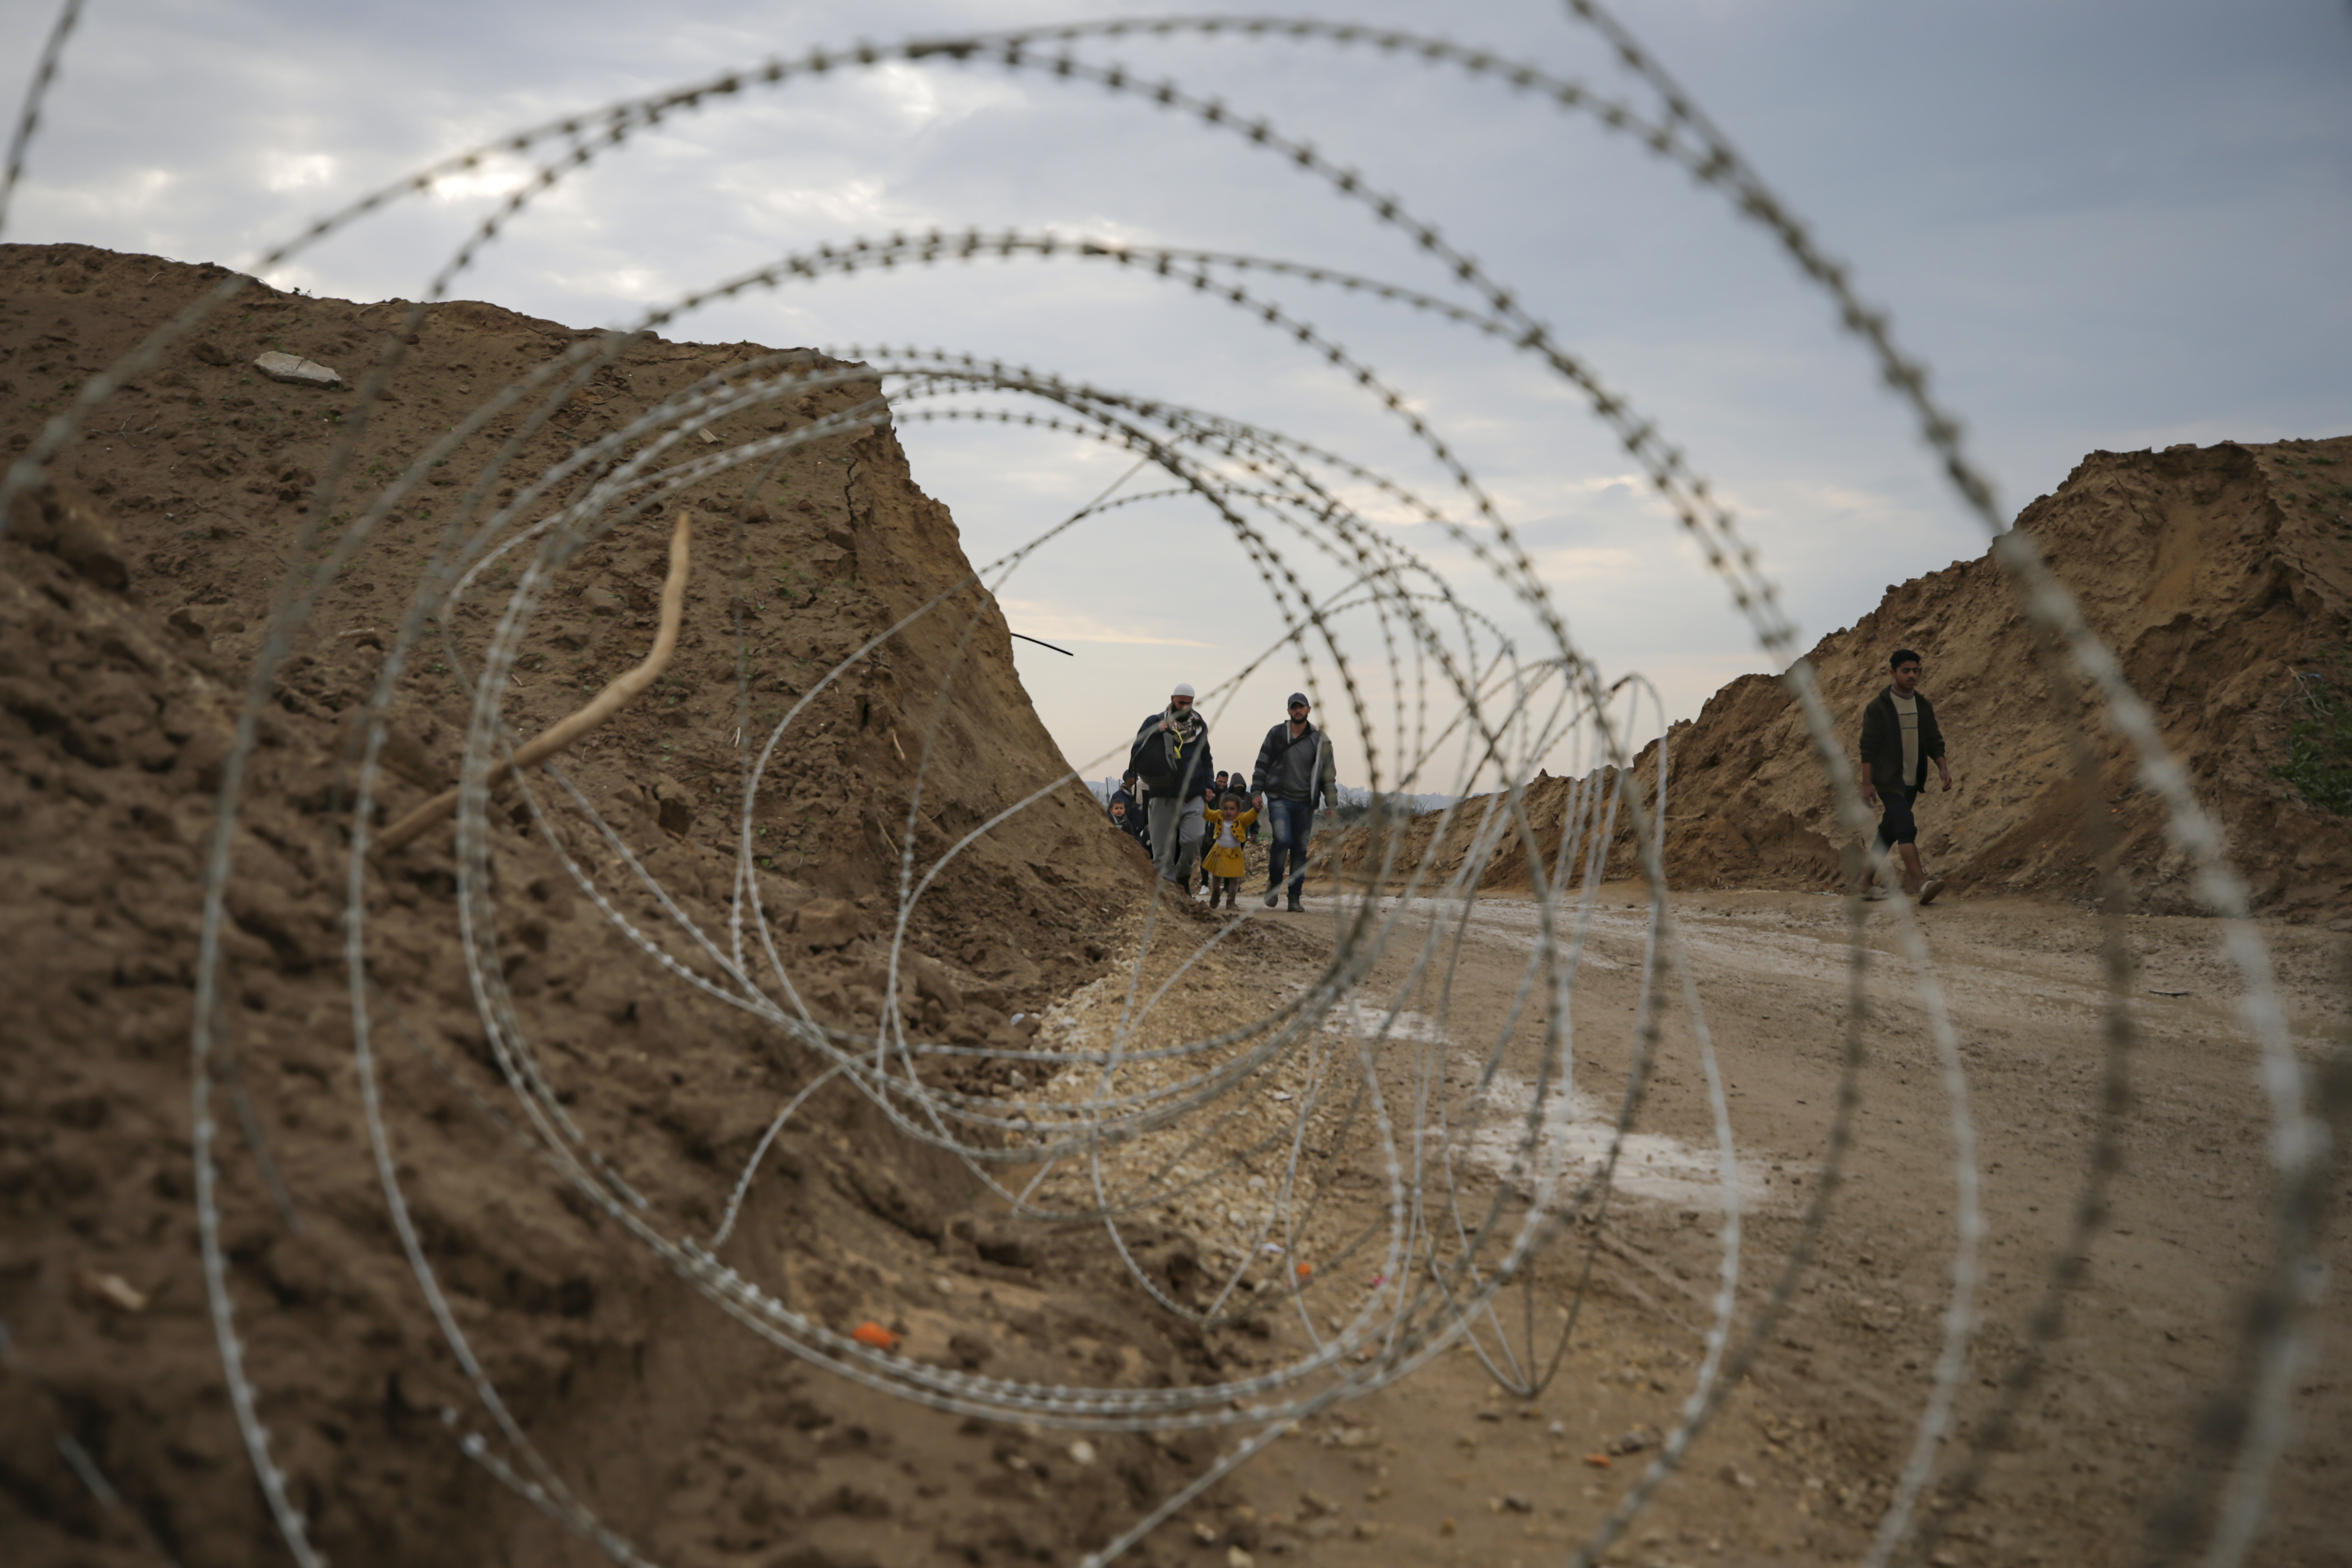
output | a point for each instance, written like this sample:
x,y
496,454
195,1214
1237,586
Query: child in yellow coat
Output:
x,y
1222,858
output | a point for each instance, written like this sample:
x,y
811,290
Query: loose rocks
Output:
x,y
296,370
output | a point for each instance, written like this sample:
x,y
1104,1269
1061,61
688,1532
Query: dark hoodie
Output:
x,y
1176,763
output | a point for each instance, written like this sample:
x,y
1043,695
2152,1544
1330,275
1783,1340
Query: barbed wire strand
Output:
x,y
1454,1282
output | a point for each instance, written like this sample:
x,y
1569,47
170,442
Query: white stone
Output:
x,y
294,368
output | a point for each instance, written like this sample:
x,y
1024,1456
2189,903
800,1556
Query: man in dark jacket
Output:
x,y
1900,739
1294,774
1170,755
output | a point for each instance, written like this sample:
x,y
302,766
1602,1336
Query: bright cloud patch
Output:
x,y
1054,623
490,179
298,171
1583,563
923,99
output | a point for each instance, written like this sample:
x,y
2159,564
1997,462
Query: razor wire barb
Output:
x,y
1147,1127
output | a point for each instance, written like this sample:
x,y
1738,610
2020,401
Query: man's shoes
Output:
x,y
1294,907
1874,894
1927,894
1272,895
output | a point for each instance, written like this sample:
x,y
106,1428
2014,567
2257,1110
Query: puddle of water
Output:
x,y
1573,1140
1576,1131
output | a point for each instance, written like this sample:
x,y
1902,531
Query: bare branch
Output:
x,y
602,706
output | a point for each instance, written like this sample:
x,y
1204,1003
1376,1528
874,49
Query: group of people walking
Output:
x,y
1192,816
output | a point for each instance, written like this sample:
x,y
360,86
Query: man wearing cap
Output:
x,y
1171,755
1294,774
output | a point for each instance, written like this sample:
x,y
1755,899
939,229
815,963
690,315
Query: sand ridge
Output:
x,y
2215,573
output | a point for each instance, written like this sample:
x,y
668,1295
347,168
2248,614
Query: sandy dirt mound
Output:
x,y
133,594
2215,574
135,589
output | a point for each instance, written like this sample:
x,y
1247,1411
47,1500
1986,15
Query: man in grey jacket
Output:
x,y
1294,774
1899,738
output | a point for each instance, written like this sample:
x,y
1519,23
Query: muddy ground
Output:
x,y
1445,1467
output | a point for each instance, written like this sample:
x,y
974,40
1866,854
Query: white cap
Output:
x,y
1183,690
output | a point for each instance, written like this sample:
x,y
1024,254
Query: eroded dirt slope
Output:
x,y
2213,573
133,594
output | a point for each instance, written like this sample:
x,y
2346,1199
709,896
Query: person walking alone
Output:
x,y
1171,755
1899,738
1293,775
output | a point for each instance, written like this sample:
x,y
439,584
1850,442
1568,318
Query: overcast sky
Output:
x,y
2103,224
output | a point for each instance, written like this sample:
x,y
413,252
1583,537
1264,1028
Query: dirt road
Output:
x,y
1443,1467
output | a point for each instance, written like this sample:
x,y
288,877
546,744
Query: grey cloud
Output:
x,y
2103,224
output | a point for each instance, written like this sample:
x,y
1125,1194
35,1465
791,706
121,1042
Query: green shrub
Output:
x,y
2319,743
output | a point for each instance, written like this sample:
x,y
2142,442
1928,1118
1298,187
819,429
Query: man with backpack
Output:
x,y
1294,774
1171,755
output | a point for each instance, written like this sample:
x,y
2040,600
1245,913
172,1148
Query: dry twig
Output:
x,y
602,706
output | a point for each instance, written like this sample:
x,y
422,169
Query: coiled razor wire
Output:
x,y
1135,1125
